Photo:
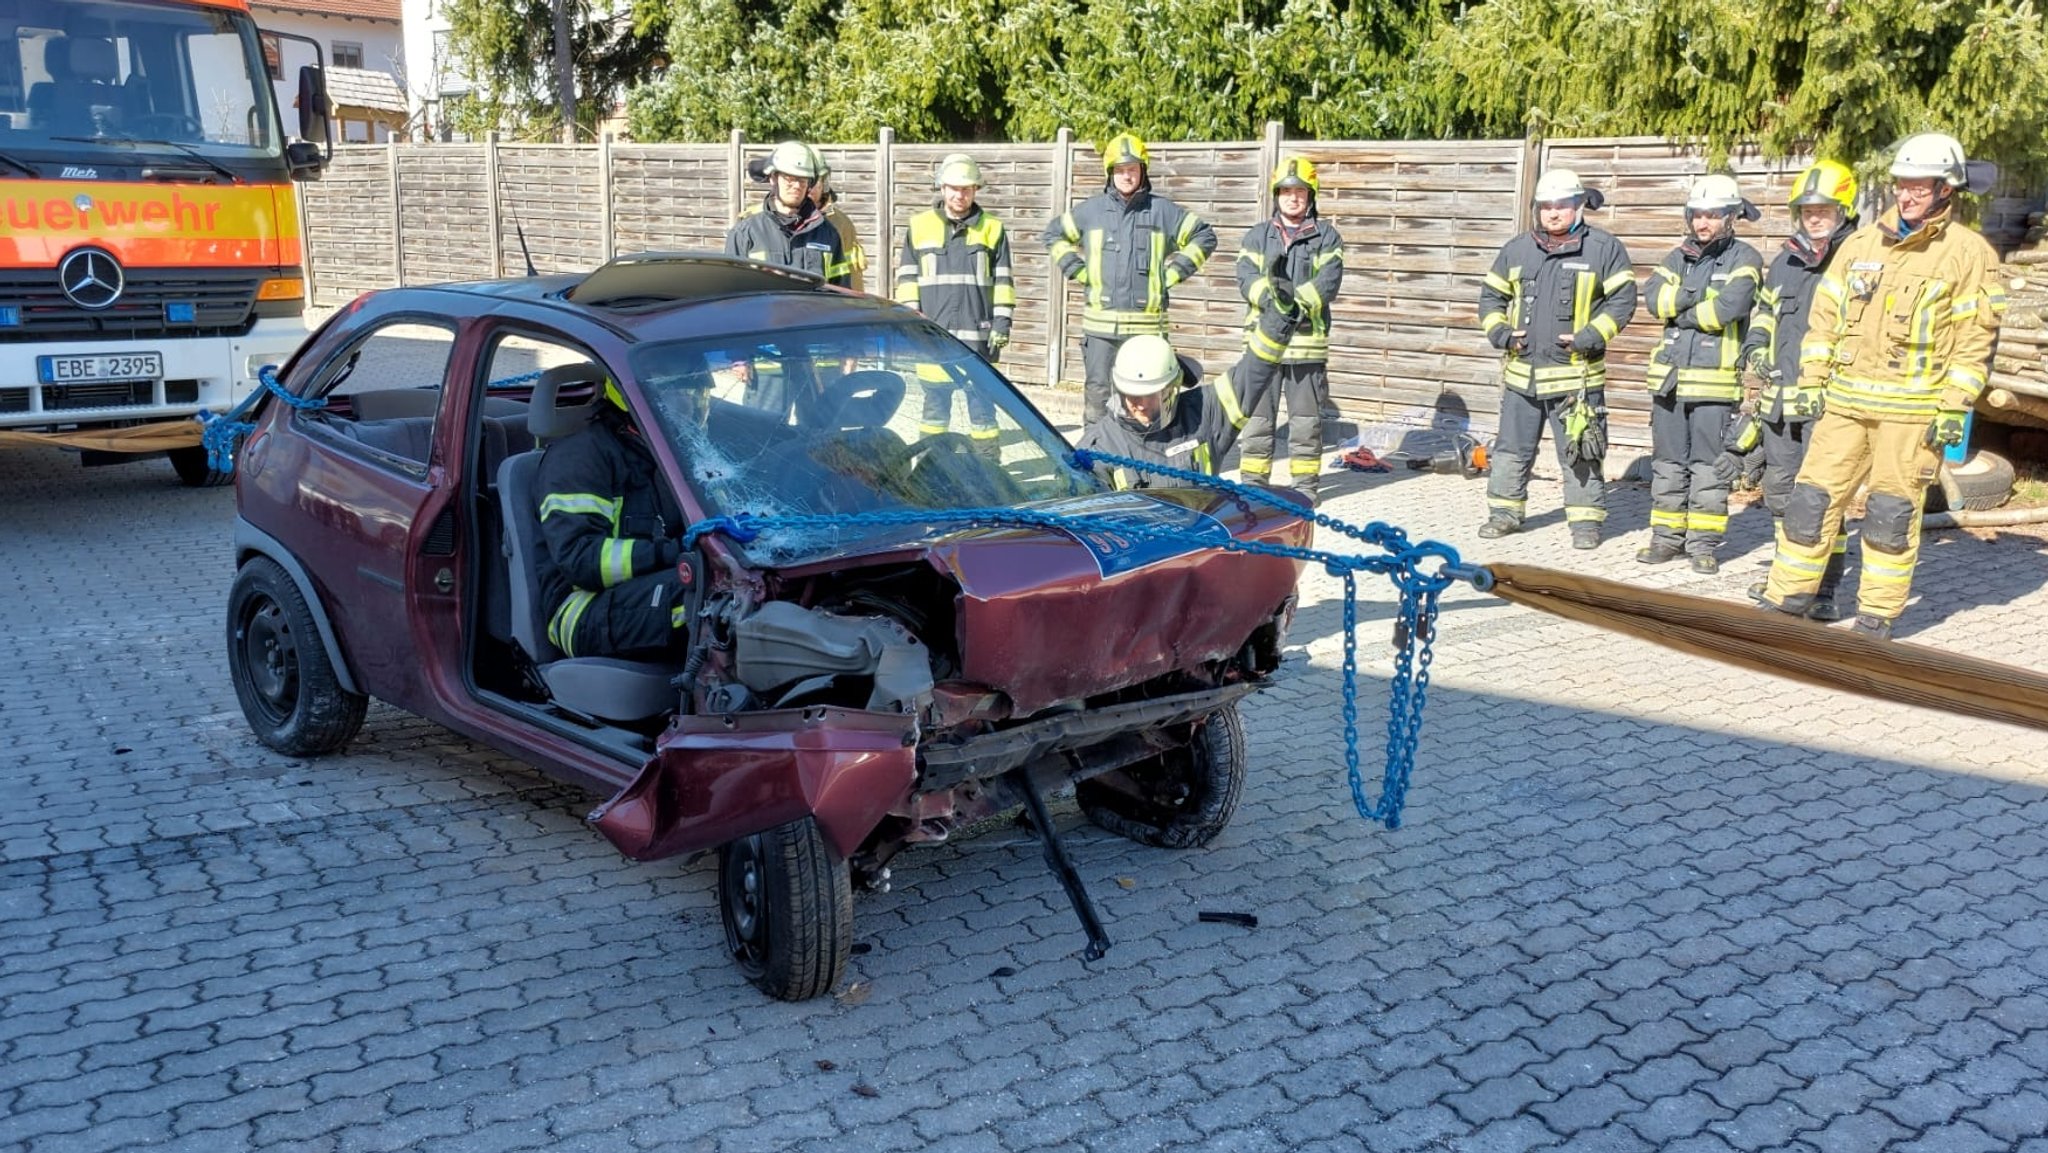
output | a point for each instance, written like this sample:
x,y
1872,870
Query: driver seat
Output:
x,y
608,688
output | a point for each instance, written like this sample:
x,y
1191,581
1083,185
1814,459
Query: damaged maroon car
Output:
x,y
854,684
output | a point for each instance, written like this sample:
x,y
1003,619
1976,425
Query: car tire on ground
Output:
x,y
193,469
1180,799
1984,481
787,902
287,687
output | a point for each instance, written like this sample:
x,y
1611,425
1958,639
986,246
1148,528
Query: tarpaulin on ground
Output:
x,y
1784,645
156,437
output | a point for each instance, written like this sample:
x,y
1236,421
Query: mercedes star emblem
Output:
x,y
91,278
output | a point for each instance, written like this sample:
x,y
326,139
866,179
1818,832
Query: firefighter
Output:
x,y
849,236
1163,415
1555,297
955,268
1703,293
1899,338
1128,248
608,553
1823,204
788,227
1288,271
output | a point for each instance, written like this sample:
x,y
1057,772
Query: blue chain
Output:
x,y
222,433
1404,563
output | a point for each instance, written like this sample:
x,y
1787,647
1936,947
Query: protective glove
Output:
x,y
1499,336
1759,363
1727,467
1946,429
1588,342
667,553
1283,296
997,341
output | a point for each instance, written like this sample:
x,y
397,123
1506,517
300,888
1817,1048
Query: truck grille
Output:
x,y
223,304
115,394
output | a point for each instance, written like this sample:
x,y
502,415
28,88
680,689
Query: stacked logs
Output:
x,y
2019,372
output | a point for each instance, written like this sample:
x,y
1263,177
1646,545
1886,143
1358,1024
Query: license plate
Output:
x,y
100,367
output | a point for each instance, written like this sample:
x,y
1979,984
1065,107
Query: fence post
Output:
x,y
607,244
491,209
736,175
1056,284
1269,163
397,214
880,262
1528,172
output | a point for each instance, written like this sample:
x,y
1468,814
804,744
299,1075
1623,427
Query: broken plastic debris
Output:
x,y
1215,918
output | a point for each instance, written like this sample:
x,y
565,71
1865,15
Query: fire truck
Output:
x,y
151,260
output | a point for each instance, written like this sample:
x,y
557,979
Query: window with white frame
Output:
x,y
347,55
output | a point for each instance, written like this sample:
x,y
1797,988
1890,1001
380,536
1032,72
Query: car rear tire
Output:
x,y
193,469
1180,799
787,903
287,687
1982,482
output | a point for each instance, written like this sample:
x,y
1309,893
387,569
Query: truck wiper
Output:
x,y
138,141
18,166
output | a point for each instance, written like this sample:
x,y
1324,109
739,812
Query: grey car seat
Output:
x,y
608,688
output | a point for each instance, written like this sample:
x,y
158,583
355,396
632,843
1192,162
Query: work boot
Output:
x,y
1659,552
1498,526
1825,607
1586,534
1756,592
1704,563
1876,628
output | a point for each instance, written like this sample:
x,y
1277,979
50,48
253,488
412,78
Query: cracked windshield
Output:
x,y
848,420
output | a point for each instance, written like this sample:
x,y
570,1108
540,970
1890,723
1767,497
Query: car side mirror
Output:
x,y
313,123
304,159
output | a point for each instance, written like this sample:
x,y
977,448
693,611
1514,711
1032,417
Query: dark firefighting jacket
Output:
x,y
1311,258
600,514
1128,255
1703,294
957,272
1192,439
1582,283
805,241
1777,328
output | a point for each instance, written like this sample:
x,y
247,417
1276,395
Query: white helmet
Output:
x,y
795,158
1559,184
1148,366
959,171
1715,193
1931,155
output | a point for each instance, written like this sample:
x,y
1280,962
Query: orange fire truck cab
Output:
x,y
151,260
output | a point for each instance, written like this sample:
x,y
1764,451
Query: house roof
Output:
x,y
360,9
365,88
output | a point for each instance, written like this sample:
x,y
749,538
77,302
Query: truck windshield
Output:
x,y
106,81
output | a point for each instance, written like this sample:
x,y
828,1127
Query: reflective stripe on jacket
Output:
x,y
1703,295
806,242
599,515
1777,328
1128,255
1312,258
957,272
1902,326
1585,281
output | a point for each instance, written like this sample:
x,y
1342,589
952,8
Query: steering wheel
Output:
x,y
170,126
864,399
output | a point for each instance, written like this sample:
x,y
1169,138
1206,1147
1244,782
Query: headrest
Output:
x,y
94,59
543,419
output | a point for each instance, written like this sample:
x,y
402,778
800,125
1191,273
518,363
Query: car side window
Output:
x,y
515,361
383,393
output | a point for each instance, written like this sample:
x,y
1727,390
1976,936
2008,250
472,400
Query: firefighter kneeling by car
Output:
x,y
1162,415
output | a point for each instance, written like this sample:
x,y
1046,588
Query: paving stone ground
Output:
x,y
1640,901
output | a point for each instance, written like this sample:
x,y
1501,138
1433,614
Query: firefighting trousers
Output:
x,y
1688,503
639,619
937,414
1305,383
1784,450
1840,450
1098,357
1522,418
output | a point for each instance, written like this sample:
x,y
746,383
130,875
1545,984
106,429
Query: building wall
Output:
x,y
383,44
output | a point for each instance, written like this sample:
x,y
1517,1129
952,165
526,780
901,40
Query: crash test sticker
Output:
x,y
1157,530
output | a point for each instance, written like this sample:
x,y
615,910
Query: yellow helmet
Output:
x,y
1825,182
1297,172
1125,148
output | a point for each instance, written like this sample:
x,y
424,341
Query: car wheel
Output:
x,y
1984,481
288,689
193,469
787,903
1180,799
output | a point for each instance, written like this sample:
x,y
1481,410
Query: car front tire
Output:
x,y
1177,800
287,687
787,903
